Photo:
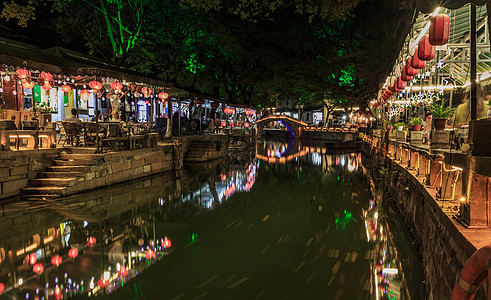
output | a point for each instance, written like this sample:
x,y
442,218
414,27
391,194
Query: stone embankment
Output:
x,y
443,243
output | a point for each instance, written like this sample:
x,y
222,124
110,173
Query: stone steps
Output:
x,y
73,168
81,150
44,190
53,182
79,156
75,162
60,174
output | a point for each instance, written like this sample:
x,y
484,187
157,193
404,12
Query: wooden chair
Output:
x,y
92,131
72,130
62,132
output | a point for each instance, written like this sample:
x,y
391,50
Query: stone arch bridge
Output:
x,y
291,124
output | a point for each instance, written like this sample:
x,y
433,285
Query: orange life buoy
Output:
x,y
473,274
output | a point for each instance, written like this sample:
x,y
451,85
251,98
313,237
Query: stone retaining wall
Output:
x,y
443,248
17,167
112,168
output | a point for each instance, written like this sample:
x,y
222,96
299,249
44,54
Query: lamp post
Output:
x,y
96,85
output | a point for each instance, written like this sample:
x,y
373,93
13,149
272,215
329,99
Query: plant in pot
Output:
x,y
389,126
399,126
441,113
416,124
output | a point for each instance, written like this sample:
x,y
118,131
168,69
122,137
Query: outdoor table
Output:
x,y
113,129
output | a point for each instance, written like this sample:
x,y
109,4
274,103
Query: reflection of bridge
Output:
x,y
291,124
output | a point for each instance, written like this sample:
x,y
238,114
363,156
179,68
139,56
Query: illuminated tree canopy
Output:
x,y
247,51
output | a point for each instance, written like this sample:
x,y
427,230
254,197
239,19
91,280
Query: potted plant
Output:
x,y
399,126
416,124
441,113
389,126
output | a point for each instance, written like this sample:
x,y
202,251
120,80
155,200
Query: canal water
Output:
x,y
286,221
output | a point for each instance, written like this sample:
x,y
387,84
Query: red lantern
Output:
x,y
31,258
391,88
46,76
166,243
38,268
91,241
117,86
249,112
146,91
409,70
163,96
426,51
439,29
229,110
73,253
416,62
84,94
66,88
23,73
28,85
147,102
95,85
58,294
404,77
2,288
56,260
400,84
376,104
46,86
150,254
388,92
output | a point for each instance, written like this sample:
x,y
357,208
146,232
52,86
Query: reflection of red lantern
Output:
x,y
84,94
163,96
426,51
56,260
2,288
417,63
166,243
23,73
91,241
223,124
123,272
66,88
246,125
117,86
223,177
73,253
150,254
102,283
46,76
439,29
28,85
58,294
46,86
95,85
140,242
38,268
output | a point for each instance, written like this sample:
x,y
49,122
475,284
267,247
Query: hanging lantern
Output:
x,y
166,243
117,86
409,70
84,95
417,63
146,91
163,96
73,253
426,51
2,288
391,88
147,102
23,73
28,85
95,85
31,258
91,241
439,29
388,92
56,260
66,88
401,84
58,294
229,110
404,77
46,86
150,254
46,76
38,268
249,112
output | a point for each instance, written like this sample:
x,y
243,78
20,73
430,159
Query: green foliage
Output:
x,y
398,124
416,121
23,13
440,110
